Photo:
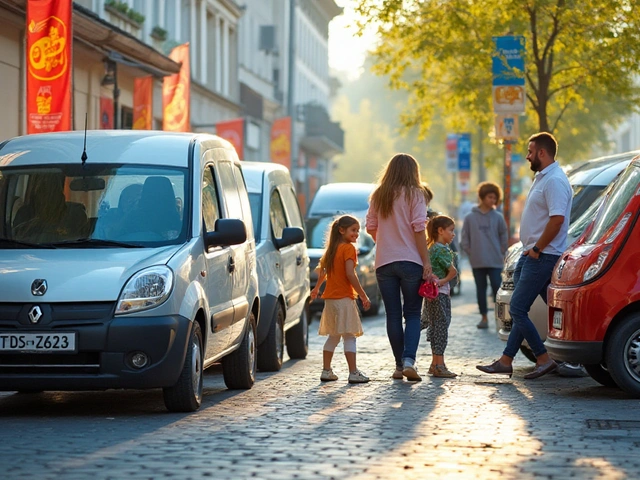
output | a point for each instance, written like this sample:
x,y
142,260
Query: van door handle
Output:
x,y
299,260
232,264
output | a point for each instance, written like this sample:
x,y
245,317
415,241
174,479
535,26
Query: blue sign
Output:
x,y
464,152
516,158
508,60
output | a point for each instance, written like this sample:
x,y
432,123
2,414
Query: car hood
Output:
x,y
74,275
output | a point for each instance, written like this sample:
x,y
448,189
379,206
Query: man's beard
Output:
x,y
535,164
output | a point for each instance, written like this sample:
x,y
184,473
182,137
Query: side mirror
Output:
x,y
290,236
228,231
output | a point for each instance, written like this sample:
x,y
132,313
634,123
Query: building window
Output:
x,y
126,118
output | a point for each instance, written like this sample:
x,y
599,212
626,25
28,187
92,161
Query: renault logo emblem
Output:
x,y
39,287
35,314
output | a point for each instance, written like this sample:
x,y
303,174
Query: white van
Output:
x,y
127,260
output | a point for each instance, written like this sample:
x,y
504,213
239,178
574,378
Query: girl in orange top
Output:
x,y
340,317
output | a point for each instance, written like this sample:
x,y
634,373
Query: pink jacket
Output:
x,y
395,239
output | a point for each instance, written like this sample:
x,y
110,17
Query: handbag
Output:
x,y
428,289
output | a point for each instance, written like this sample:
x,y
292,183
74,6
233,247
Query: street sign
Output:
x,y
464,152
452,152
508,60
507,127
508,74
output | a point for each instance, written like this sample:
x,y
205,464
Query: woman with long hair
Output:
x,y
396,220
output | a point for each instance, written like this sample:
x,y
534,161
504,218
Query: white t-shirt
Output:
x,y
550,195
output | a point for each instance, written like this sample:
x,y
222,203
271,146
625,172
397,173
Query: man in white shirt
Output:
x,y
543,231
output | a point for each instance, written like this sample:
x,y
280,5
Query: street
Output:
x,y
290,425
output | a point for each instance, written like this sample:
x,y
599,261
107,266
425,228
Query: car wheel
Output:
x,y
622,354
527,352
186,394
239,367
600,374
271,350
298,337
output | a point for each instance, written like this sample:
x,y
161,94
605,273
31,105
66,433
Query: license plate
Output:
x,y
38,342
557,320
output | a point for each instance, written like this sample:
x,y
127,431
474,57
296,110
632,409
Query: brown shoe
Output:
x,y
541,370
496,367
443,372
483,324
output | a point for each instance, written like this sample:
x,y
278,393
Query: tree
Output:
x,y
580,58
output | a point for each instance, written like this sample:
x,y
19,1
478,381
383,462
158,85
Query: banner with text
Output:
x,y
176,98
281,141
233,131
143,103
49,69
508,74
464,152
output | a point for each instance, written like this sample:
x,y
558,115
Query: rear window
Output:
x,y
615,203
342,201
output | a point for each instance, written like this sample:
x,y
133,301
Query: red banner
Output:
x,y
143,103
233,131
106,113
176,93
281,141
49,43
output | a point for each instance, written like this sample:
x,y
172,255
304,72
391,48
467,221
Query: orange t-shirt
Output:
x,y
338,285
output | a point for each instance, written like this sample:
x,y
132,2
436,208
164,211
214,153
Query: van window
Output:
x,y
210,208
277,215
244,199
289,199
69,205
229,189
615,204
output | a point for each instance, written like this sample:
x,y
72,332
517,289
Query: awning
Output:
x,y
93,30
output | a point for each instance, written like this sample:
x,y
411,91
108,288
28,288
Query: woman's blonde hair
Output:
x,y
400,174
333,239
439,221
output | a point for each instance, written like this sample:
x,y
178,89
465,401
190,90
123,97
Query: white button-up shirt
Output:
x,y
550,195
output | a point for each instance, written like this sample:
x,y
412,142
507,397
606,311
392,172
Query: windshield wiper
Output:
x,y
94,242
9,243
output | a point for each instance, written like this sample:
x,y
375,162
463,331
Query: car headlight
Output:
x,y
146,289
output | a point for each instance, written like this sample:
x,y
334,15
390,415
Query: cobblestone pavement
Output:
x,y
290,425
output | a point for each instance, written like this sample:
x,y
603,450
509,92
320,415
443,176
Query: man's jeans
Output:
x,y
531,278
395,279
480,277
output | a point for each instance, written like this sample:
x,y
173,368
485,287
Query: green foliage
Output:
x,y
124,8
159,32
581,62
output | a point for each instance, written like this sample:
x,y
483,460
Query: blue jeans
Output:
x,y
480,277
531,278
399,283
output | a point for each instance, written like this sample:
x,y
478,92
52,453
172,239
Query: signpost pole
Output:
x,y
506,209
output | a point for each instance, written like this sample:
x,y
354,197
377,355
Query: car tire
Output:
x,y
271,351
298,337
186,394
527,352
239,367
622,352
600,374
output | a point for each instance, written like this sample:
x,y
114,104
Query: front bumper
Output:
x,y
102,359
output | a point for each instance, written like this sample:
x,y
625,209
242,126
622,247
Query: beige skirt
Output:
x,y
340,316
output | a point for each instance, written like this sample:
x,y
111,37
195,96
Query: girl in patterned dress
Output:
x,y
340,316
436,313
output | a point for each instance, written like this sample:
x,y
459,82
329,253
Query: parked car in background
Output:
x,y
594,302
317,228
589,182
283,264
330,201
128,263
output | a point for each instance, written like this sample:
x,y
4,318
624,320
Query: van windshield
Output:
x,y
626,187
95,205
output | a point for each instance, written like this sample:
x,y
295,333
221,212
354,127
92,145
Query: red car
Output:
x,y
594,297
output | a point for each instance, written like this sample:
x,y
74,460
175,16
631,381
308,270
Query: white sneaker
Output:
x,y
410,371
358,377
328,376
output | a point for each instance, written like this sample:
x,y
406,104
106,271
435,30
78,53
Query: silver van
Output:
x,y
127,260
283,264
